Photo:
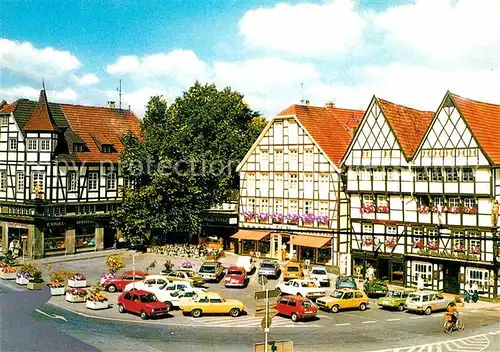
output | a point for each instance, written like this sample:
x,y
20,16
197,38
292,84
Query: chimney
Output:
x,y
111,104
330,104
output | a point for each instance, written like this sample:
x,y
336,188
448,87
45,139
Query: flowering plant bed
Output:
x,y
323,220
278,218
432,244
384,209
418,244
249,216
263,217
453,210
96,305
22,278
367,208
77,280
292,219
423,209
75,295
308,219
469,210
8,272
390,242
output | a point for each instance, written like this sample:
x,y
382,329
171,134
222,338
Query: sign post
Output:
x,y
266,330
133,270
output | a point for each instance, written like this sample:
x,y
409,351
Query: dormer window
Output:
x,y
78,147
107,148
4,120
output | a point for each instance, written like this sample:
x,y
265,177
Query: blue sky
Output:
x,y
409,52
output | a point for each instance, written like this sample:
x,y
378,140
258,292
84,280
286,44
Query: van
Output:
x,y
246,262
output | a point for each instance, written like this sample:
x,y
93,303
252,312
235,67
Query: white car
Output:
x,y
175,298
427,301
304,288
172,292
320,274
246,262
149,282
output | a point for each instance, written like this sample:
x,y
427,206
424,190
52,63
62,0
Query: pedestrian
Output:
x,y
370,272
11,247
475,293
420,283
467,292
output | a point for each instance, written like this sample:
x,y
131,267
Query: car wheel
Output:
x,y
235,312
111,288
362,306
144,315
401,307
335,308
295,317
169,305
428,311
196,313
121,308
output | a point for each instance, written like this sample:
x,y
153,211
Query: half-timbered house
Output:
x,y
380,186
59,175
292,204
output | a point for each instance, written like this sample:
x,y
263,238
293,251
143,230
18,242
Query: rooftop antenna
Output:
x,y
119,89
302,92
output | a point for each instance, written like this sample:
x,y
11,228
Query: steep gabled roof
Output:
x,y
330,127
7,108
41,119
408,125
484,122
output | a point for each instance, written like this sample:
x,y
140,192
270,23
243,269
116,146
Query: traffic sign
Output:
x,y
271,294
266,323
262,280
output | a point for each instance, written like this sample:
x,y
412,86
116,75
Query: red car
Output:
x,y
142,302
119,283
296,307
236,277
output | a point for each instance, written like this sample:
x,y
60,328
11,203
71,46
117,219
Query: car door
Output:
x,y
296,288
135,304
282,306
127,299
216,305
348,300
292,306
441,302
160,282
126,279
149,283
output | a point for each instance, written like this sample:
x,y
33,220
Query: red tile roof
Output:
x,y
331,128
484,121
7,109
108,125
41,119
409,125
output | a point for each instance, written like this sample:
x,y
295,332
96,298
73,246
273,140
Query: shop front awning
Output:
x,y
254,235
310,241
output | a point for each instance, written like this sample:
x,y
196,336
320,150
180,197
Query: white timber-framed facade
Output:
x,y
292,202
60,175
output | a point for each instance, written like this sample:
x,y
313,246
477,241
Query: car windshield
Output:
x,y
293,268
336,294
414,298
394,294
309,284
345,279
189,273
234,272
148,298
306,304
207,269
267,265
319,272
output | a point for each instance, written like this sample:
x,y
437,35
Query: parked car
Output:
x,y
235,277
343,299
345,282
119,283
142,302
293,271
246,262
180,285
375,288
304,288
211,271
174,298
186,275
427,302
270,268
296,307
150,281
212,303
319,273
395,299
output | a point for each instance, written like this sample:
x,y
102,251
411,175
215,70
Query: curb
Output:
x,y
75,257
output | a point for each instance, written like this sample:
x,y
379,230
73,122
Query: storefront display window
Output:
x,y
54,239
307,253
248,246
324,255
264,247
85,237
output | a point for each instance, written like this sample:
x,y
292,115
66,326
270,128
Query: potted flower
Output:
x,y
323,220
432,244
114,263
77,280
423,209
36,282
8,270
418,243
367,208
25,273
384,209
75,295
475,249
390,242
96,299
263,218
186,265
308,219
366,242
292,219
56,287
249,216
459,247
278,218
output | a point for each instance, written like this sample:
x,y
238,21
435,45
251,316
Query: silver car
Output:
x,y
427,302
269,268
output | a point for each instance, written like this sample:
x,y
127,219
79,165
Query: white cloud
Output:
x,y
68,95
307,30
86,80
445,30
182,65
25,59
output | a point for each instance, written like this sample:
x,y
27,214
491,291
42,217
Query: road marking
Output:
x,y
53,316
343,324
416,317
393,319
324,316
352,315
369,322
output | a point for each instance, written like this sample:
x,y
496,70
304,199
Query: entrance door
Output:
x,y
382,268
451,274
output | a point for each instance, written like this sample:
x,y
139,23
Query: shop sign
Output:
x,y
17,225
88,222
220,220
55,224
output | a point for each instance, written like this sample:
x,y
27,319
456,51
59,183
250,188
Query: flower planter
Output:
x,y
77,283
74,299
8,276
57,291
35,285
96,305
22,281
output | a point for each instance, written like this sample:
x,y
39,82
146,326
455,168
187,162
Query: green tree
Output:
x,y
185,160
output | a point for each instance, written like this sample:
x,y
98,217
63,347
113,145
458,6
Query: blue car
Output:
x,y
345,282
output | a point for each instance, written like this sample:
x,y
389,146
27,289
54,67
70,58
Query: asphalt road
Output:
x,y
371,330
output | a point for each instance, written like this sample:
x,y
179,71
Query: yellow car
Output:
x,y
343,299
293,271
187,275
212,303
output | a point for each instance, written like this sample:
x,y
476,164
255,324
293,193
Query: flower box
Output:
x,y
57,291
21,280
8,276
74,298
96,305
35,285
77,283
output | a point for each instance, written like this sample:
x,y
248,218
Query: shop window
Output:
x,y
451,175
423,270
436,175
324,255
480,277
55,239
421,175
85,237
467,175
